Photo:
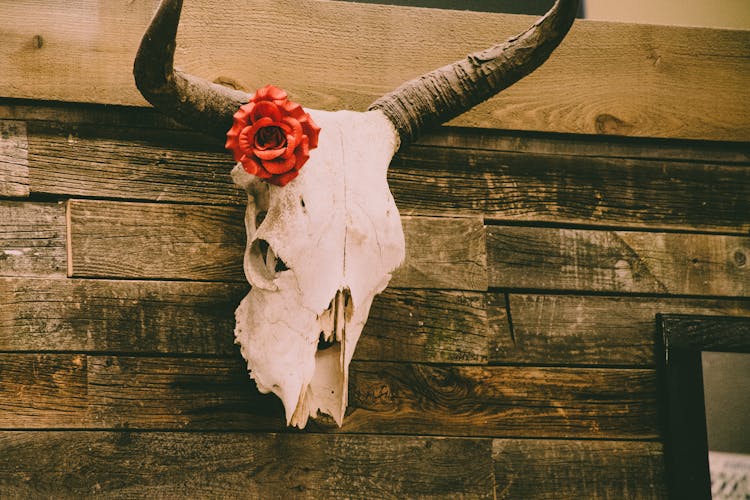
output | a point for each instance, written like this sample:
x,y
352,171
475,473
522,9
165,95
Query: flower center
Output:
x,y
271,137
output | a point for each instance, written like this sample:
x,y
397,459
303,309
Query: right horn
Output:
x,y
447,92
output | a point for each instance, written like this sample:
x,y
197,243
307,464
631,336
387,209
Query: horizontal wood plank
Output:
x,y
192,242
168,465
159,317
591,330
573,189
618,261
14,162
605,78
32,239
536,469
385,398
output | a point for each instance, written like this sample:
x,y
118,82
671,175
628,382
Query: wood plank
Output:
x,y
43,391
573,189
590,330
209,465
192,242
32,239
14,163
160,317
664,88
385,398
618,261
536,469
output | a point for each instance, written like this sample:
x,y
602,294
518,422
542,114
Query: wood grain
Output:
x,y
162,317
32,239
605,78
590,330
547,469
618,261
573,189
200,242
385,398
14,163
207,465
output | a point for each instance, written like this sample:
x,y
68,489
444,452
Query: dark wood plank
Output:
x,y
200,242
573,189
664,88
385,398
590,330
32,239
697,331
537,469
43,391
137,164
208,465
160,317
618,261
14,163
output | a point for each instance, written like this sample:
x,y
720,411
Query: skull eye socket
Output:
x,y
264,264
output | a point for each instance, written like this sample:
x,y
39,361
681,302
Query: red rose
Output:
x,y
272,136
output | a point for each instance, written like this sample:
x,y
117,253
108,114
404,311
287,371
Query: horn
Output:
x,y
190,100
447,92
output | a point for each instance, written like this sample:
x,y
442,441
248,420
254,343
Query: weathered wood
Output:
x,y
618,261
693,331
43,391
130,163
573,189
663,88
168,465
14,163
32,239
200,242
160,317
536,469
589,330
385,398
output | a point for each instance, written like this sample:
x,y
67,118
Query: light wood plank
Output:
x,y
218,465
605,78
200,242
574,189
160,317
536,469
385,398
32,239
590,330
618,261
14,163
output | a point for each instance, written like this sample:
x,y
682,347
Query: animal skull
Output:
x,y
320,248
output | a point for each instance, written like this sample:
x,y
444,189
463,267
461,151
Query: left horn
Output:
x,y
190,100
445,93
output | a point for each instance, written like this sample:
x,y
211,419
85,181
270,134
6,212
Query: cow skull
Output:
x,y
320,248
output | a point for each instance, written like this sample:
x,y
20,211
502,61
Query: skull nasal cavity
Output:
x,y
264,259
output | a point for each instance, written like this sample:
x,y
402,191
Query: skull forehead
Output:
x,y
338,209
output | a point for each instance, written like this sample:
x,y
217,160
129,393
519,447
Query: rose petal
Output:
x,y
293,109
254,168
296,127
291,144
266,109
283,179
302,153
280,165
311,130
269,154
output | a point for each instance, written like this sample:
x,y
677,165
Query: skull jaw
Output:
x,y
338,233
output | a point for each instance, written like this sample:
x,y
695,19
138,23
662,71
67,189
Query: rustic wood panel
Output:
x,y
590,330
32,239
146,240
549,469
160,317
605,78
573,189
385,398
161,465
618,261
14,163
178,166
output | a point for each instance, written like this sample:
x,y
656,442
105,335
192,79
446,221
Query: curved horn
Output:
x,y
190,100
447,92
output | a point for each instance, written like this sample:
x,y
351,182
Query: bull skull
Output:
x,y
320,248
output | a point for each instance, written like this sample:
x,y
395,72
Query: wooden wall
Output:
x,y
514,354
